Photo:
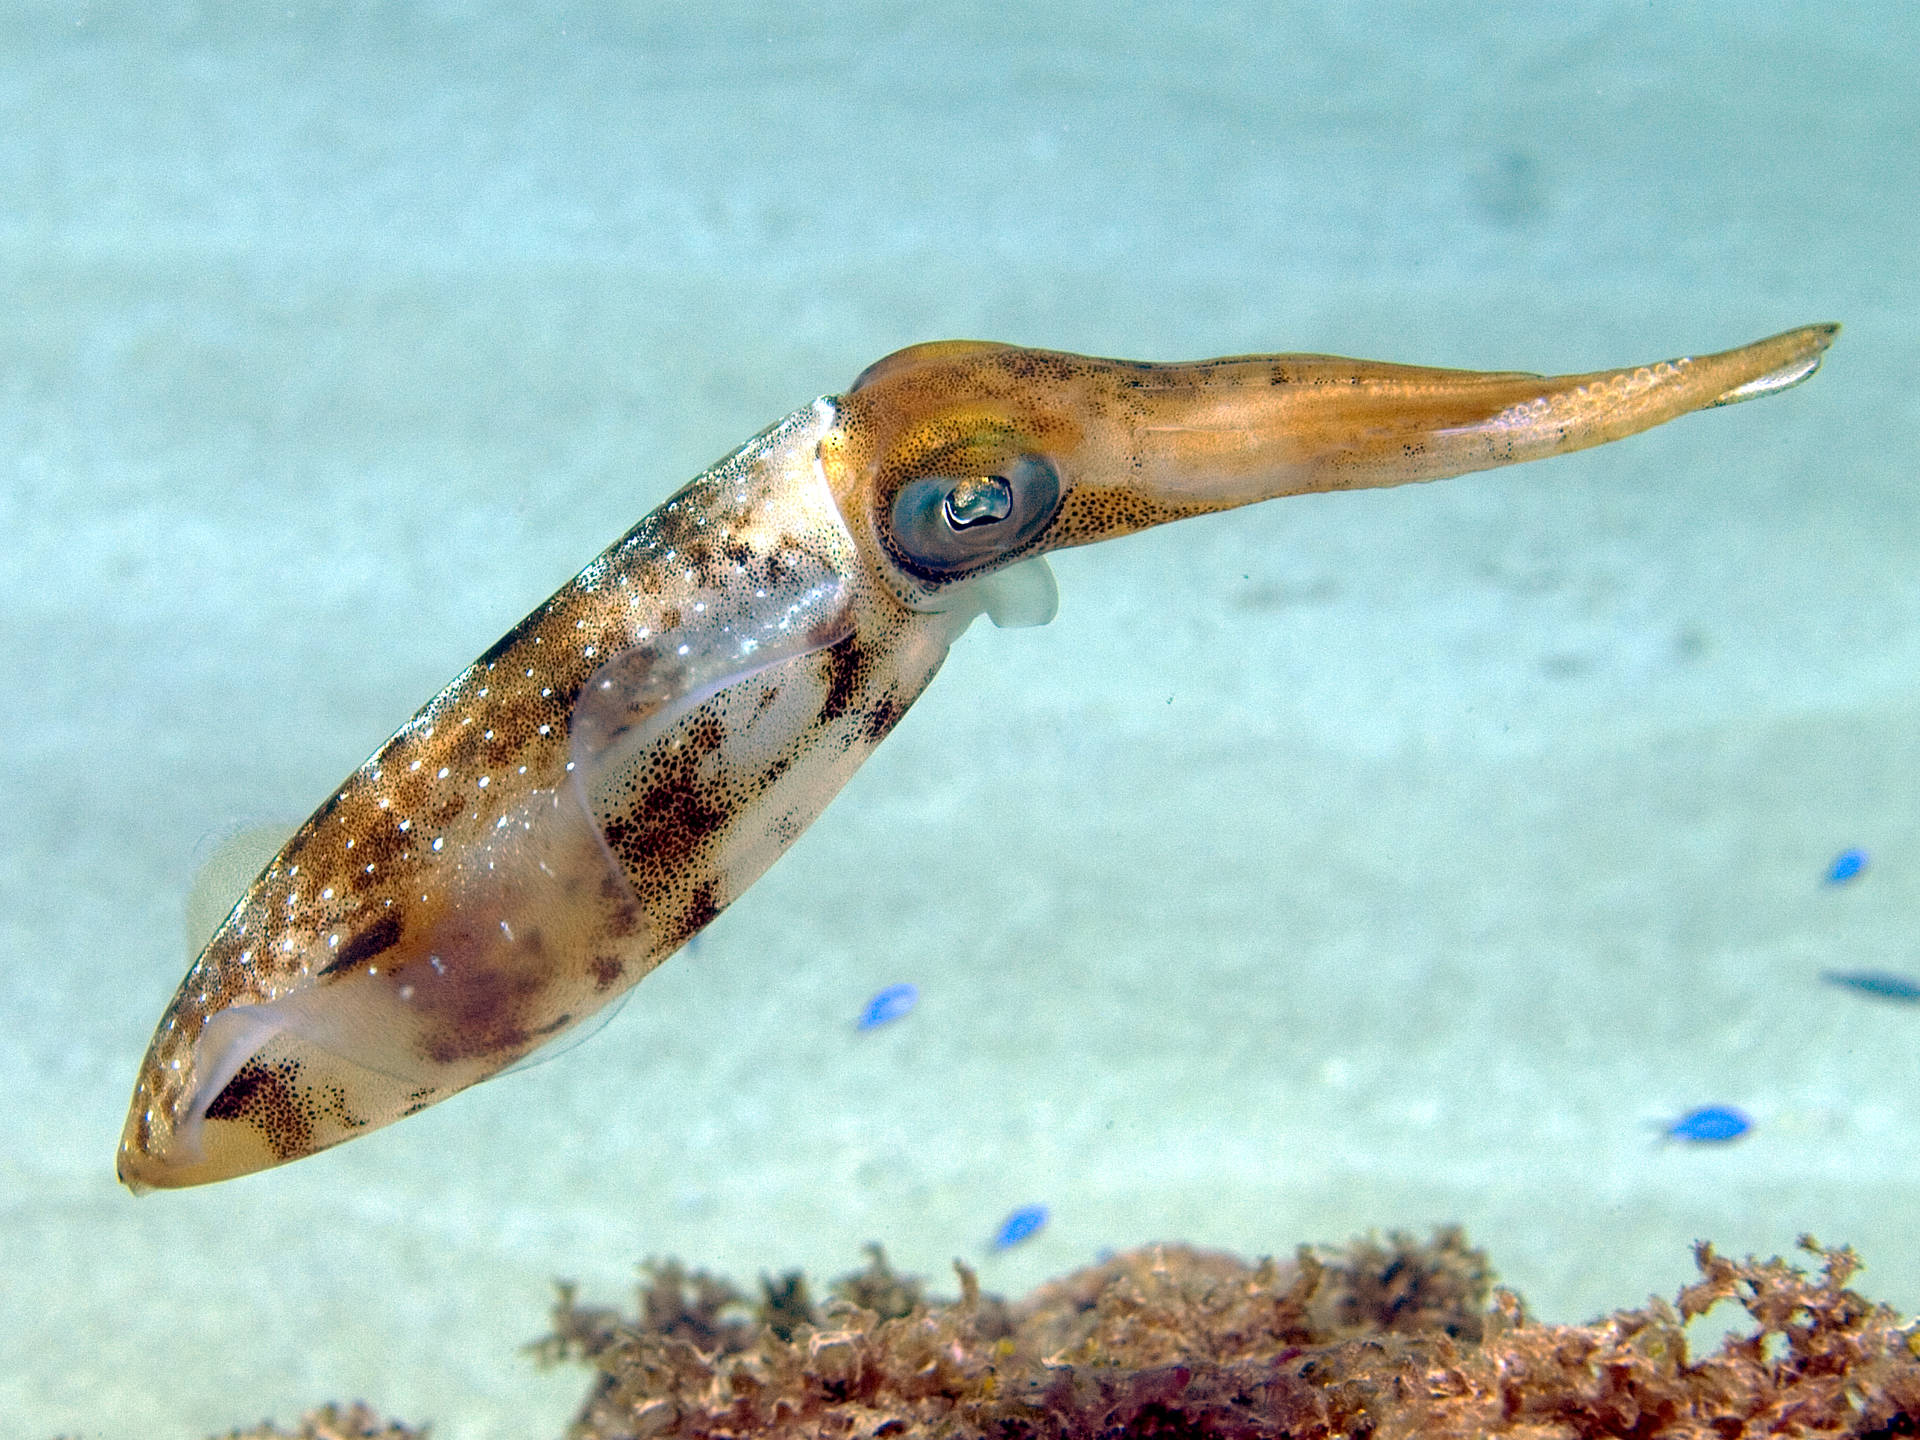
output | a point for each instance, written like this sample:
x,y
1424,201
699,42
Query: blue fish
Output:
x,y
889,1005
1018,1226
1709,1125
1846,865
1881,984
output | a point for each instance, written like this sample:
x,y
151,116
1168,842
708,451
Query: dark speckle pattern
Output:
x,y
266,1098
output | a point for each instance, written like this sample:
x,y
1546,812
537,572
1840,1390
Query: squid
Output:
x,y
593,790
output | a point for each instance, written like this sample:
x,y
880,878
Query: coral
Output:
x,y
1384,1339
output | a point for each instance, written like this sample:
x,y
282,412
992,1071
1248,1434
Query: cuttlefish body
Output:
x,y
627,760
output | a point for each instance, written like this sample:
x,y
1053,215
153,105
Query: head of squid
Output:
x,y
973,458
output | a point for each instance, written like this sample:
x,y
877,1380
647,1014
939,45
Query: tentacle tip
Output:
x,y
1806,347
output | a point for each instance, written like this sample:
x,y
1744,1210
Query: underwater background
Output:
x,y
1356,861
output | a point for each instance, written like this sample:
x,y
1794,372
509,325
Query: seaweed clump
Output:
x,y
1382,1339
335,1422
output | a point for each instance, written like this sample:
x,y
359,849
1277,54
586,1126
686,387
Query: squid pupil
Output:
x,y
978,500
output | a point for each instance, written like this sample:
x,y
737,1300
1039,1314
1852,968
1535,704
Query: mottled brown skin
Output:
x,y
630,757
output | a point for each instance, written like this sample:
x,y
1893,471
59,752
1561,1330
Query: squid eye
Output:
x,y
947,525
978,500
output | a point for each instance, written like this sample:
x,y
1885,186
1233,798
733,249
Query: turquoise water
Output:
x,y
1360,861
